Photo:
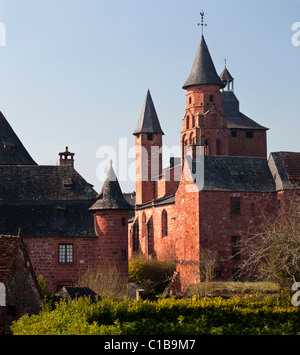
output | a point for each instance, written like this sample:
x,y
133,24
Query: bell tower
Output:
x,y
148,143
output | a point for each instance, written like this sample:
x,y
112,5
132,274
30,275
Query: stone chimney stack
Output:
x,y
66,158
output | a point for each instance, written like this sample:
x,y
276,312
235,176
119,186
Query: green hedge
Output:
x,y
164,317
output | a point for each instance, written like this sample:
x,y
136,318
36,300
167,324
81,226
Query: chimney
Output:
x,y
66,158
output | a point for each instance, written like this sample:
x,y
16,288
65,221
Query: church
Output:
x,y
181,219
204,202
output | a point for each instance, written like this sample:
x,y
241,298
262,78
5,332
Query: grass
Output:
x,y
232,289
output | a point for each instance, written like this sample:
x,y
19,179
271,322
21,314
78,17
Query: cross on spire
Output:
x,y
202,24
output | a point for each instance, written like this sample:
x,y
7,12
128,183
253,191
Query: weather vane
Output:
x,y
225,60
202,24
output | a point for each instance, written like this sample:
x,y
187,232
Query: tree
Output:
x,y
272,252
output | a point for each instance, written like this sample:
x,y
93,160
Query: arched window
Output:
x,y
143,225
193,122
136,237
164,223
191,138
206,147
2,295
218,147
188,122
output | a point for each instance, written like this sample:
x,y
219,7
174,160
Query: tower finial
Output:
x,y
202,24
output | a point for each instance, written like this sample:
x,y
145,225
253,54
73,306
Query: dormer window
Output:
x,y
8,145
67,183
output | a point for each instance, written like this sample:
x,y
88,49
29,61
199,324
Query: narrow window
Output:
x,y
124,257
188,122
66,253
252,207
164,224
123,222
249,134
150,137
2,295
235,205
236,248
211,98
190,100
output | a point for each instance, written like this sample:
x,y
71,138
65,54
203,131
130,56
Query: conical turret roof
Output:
x,y
12,151
203,70
225,75
111,196
148,122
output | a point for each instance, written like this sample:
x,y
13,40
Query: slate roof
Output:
x,y
236,119
225,75
223,173
45,201
203,70
148,121
285,167
111,196
72,293
12,151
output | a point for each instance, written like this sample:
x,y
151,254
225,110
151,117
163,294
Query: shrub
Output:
x,y
106,281
151,274
164,317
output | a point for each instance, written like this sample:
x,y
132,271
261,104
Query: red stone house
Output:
x,y
49,206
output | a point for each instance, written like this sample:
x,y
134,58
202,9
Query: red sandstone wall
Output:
x,y
248,147
43,253
112,238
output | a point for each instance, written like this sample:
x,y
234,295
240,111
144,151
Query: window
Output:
x,y
150,137
211,98
123,221
124,257
252,207
2,295
235,248
235,205
188,122
190,100
66,253
249,134
164,224
234,134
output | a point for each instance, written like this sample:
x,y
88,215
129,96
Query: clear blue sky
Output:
x,y
76,72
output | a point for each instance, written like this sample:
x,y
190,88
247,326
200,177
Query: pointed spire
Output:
x,y
203,70
148,122
111,196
